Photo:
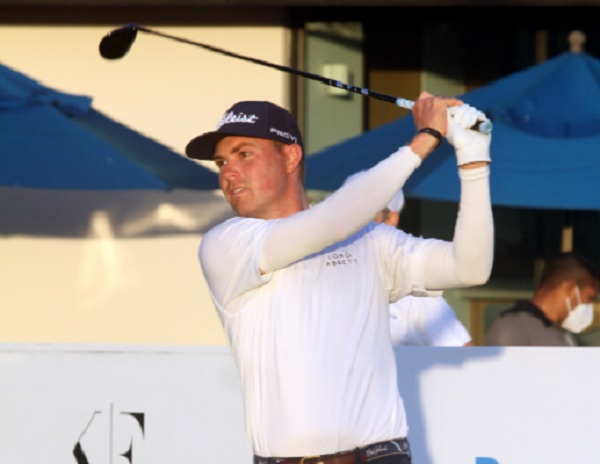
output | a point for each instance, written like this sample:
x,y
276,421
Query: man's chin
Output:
x,y
241,211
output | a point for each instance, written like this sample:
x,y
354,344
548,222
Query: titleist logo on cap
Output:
x,y
230,118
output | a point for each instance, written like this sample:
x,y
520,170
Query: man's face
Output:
x,y
252,175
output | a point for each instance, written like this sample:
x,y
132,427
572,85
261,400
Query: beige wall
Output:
x,y
138,290
162,88
143,290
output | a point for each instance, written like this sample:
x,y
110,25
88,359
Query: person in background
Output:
x,y
562,306
303,292
421,320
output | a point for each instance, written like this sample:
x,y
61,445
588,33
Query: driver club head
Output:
x,y
117,43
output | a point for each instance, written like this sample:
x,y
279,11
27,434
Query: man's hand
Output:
x,y
471,146
430,112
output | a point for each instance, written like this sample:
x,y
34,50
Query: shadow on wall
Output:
x,y
109,213
413,364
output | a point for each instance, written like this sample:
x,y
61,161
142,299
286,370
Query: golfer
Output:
x,y
303,293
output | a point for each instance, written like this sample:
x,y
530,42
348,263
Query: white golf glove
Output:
x,y
470,145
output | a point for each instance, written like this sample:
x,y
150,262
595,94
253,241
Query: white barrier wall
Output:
x,y
112,404
119,405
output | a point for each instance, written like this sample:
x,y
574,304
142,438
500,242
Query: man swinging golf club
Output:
x,y
303,292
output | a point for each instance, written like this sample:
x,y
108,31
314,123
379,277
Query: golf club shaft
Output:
x,y
482,126
401,102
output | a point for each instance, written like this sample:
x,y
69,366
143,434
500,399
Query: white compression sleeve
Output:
x,y
468,259
340,215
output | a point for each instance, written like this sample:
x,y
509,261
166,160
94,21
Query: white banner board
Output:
x,y
80,404
119,405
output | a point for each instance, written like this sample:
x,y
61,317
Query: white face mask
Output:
x,y
580,317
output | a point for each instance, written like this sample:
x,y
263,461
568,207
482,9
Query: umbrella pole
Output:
x,y
566,244
567,239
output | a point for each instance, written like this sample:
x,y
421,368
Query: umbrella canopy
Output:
x,y
50,139
67,170
545,141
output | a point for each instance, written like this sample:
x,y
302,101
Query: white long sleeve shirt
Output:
x,y
310,333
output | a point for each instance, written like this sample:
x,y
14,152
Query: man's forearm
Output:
x,y
468,259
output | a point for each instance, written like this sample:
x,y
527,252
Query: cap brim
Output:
x,y
203,146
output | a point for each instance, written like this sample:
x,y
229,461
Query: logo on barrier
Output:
x,y
485,460
107,435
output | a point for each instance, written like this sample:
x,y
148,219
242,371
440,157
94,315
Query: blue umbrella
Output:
x,y
545,141
53,140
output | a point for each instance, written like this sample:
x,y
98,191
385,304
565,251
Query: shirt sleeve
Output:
x,y
441,327
426,321
466,260
343,213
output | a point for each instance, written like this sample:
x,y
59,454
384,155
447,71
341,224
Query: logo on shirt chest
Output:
x,y
339,259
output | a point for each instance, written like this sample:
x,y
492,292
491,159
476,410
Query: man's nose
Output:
x,y
229,171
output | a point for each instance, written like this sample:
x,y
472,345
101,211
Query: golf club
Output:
x,y
117,43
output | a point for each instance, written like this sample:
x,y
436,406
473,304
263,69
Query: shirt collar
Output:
x,y
526,306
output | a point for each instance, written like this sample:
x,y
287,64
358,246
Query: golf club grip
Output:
x,y
485,127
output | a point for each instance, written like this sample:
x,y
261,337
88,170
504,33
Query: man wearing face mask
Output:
x,y
562,305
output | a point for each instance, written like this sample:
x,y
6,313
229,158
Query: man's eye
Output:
x,y
244,154
220,163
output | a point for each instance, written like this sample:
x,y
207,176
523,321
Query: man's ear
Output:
x,y
568,286
293,154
